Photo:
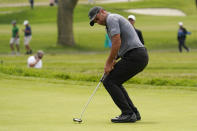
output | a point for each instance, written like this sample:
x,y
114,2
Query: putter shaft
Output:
x,y
80,119
89,100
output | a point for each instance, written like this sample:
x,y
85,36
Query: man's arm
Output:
x,y
34,63
27,31
116,42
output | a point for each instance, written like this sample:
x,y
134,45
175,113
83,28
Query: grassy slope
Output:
x,y
159,31
164,68
24,1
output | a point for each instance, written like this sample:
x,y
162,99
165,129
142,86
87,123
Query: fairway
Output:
x,y
45,104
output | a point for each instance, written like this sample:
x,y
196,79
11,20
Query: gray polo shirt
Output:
x,y
117,24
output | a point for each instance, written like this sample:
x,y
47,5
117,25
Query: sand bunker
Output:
x,y
157,12
9,12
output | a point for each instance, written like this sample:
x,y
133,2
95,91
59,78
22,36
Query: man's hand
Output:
x,y
34,63
109,67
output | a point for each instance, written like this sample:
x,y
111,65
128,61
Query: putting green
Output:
x,y
37,104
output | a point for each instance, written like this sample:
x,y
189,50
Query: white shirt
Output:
x,y
32,60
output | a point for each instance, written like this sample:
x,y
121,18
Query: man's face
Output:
x,y
40,56
131,21
100,18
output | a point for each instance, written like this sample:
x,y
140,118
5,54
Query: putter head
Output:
x,y
77,120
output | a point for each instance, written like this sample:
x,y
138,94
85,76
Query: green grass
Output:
x,y
159,31
25,1
48,104
164,69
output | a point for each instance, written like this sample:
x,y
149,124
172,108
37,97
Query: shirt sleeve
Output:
x,y
113,26
31,60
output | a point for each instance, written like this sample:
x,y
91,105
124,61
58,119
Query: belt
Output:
x,y
132,50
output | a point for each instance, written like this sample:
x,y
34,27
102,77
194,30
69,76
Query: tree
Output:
x,y
196,3
65,22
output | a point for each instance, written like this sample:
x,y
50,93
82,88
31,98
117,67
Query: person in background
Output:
x,y
31,3
182,32
27,37
35,61
56,2
132,20
15,38
51,2
107,41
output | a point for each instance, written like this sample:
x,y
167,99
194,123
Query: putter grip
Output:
x,y
103,77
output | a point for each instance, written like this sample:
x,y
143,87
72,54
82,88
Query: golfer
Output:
x,y
134,58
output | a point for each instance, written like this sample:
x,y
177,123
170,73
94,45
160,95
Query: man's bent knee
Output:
x,y
108,83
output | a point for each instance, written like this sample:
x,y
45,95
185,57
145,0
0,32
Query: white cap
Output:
x,y
180,23
132,17
26,22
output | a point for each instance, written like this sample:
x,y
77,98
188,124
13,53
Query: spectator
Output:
x,y
182,32
27,37
31,3
56,2
35,61
15,38
132,20
51,2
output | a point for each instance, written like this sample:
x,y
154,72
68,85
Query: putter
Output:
x,y
79,120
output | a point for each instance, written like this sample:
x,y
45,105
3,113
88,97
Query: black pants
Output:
x,y
32,4
132,63
182,44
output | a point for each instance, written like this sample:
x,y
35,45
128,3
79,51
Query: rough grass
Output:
x,y
164,69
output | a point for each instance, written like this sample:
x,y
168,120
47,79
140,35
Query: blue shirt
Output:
x,y
28,31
